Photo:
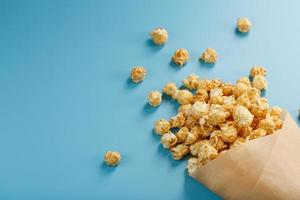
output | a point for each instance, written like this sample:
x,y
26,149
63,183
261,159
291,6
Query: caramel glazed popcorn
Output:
x,y
218,116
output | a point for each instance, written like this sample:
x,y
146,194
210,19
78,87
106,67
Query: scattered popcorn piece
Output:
x,y
243,25
182,135
192,164
112,158
179,151
180,57
184,96
168,140
159,36
170,89
192,81
242,116
162,126
258,70
209,55
177,121
217,114
259,82
154,98
138,74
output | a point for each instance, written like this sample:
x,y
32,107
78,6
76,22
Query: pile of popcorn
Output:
x,y
215,116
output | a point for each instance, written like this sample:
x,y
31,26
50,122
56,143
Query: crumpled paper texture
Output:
x,y
264,168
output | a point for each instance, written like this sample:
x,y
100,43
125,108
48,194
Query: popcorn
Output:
x,y
184,96
170,89
162,126
159,36
217,115
192,81
182,135
138,74
259,82
180,57
209,55
177,121
112,158
179,151
154,98
199,109
242,116
192,164
229,132
168,140
258,70
243,25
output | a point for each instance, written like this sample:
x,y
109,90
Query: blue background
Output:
x,y
65,97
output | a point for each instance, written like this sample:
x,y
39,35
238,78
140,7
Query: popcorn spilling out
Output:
x,y
215,116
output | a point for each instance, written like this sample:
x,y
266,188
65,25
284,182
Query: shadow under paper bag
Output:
x,y
264,168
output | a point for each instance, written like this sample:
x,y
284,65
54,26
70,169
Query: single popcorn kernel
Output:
x,y
242,116
240,89
216,96
207,152
182,135
201,95
179,151
162,126
257,133
195,148
192,164
112,158
268,125
186,109
168,140
154,98
199,109
138,74
190,122
159,36
216,141
260,107
227,89
180,57
217,115
192,81
229,132
170,89
184,96
178,120
259,82
258,70
191,138
276,111
209,55
243,25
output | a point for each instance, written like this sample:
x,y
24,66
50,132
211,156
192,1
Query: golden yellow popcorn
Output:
x,y
258,70
154,98
192,164
195,148
276,111
192,81
112,158
209,55
239,141
259,82
182,135
186,109
203,131
244,80
184,96
170,89
229,132
199,109
227,89
216,141
138,74
159,36
244,131
217,115
229,103
168,140
243,25
201,95
178,120
260,107
242,116
180,57
191,138
207,152
240,89
257,133
268,125
216,96
162,126
179,151
190,122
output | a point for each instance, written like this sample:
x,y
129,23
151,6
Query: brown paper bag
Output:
x,y
264,168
